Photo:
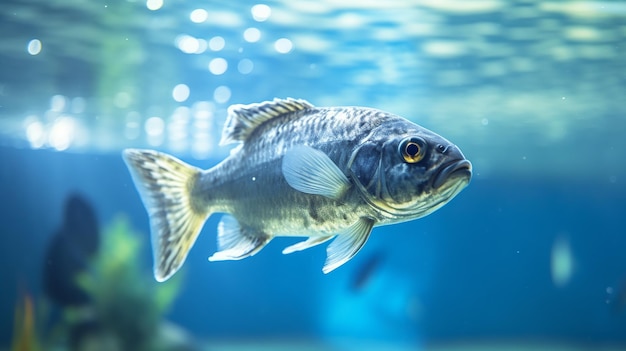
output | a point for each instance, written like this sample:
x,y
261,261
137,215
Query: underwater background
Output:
x,y
531,255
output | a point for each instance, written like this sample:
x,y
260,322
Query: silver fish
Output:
x,y
301,170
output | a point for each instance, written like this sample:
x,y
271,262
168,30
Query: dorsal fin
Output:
x,y
243,119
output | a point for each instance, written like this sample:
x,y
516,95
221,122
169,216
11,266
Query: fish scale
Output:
x,y
320,173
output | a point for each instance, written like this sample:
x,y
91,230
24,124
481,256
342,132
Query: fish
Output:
x,y
366,271
69,253
299,171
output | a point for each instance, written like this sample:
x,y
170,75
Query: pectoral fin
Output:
x,y
347,244
235,242
311,171
310,242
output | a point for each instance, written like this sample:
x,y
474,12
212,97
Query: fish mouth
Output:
x,y
456,169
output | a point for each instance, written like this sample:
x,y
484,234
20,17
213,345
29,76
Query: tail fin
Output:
x,y
165,184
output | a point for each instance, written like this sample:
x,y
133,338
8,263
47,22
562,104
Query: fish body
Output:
x,y
301,170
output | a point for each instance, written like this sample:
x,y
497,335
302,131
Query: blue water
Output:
x,y
534,249
477,269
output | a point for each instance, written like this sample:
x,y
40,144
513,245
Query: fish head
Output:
x,y
406,171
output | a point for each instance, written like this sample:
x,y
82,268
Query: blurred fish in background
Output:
x,y
93,277
378,294
71,248
366,271
69,254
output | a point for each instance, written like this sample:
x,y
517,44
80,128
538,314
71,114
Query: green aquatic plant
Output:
x,y
128,303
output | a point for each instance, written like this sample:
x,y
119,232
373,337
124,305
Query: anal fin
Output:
x,y
235,242
347,243
310,242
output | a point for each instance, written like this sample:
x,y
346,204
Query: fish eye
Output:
x,y
412,149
